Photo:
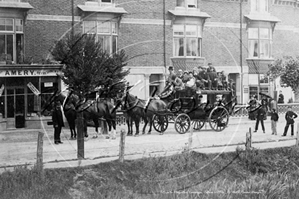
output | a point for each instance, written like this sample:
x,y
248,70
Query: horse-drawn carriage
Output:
x,y
188,111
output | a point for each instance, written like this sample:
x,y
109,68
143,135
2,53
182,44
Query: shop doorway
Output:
x,y
15,99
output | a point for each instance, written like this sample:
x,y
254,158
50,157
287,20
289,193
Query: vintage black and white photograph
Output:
x,y
149,99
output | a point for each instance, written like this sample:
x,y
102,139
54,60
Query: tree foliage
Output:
x,y
87,66
288,71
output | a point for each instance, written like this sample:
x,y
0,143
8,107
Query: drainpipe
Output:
x,y
241,50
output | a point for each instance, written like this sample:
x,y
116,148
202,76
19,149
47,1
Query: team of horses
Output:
x,y
102,109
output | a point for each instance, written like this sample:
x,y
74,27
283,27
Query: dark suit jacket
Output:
x,y
57,117
290,116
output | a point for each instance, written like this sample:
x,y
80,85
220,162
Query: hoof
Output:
x,y
95,136
136,135
161,133
149,133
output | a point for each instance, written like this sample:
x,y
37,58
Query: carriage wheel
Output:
x,y
218,118
182,123
198,124
160,123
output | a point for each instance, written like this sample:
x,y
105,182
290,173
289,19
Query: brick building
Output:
x,y
154,34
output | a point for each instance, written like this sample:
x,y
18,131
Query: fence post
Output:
x,y
39,158
190,138
248,140
297,138
122,146
80,136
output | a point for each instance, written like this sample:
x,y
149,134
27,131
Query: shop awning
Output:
x,y
189,13
268,18
16,5
102,9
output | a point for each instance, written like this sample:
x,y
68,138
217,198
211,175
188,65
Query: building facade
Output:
x,y
238,37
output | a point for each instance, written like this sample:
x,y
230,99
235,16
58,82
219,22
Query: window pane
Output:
x,y
178,30
105,42
254,5
2,48
253,48
263,6
9,49
191,30
20,50
264,49
178,47
191,47
9,24
106,1
264,33
199,47
114,44
89,27
114,28
191,3
103,27
19,25
180,3
2,24
253,33
199,31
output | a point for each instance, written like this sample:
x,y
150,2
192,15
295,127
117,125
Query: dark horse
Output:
x,y
134,109
93,110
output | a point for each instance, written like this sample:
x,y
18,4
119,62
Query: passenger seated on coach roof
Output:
x,y
213,78
180,74
191,84
185,78
178,86
203,76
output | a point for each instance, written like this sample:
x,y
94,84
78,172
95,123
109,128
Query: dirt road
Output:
x,y
20,147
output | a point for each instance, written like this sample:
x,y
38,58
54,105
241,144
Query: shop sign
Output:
x,y
28,73
1,90
48,84
33,89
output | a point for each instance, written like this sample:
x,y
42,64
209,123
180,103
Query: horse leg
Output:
x,y
146,122
96,122
112,132
150,123
137,125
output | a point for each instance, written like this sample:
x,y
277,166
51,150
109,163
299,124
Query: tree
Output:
x,y
288,71
86,68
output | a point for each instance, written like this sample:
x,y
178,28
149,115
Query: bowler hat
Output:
x,y
171,68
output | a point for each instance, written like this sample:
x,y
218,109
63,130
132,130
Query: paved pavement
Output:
x,y
19,147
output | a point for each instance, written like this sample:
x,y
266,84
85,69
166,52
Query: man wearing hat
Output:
x,y
171,73
58,122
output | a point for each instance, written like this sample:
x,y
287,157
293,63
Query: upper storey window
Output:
x,y
102,2
106,33
11,40
259,42
187,40
260,6
187,3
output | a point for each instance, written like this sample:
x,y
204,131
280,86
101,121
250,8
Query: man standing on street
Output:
x,y
289,117
274,119
58,122
261,114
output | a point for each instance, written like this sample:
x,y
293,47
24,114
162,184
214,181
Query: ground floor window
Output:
x,y
254,91
19,99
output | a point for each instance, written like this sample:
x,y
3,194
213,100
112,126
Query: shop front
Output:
x,y
24,91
